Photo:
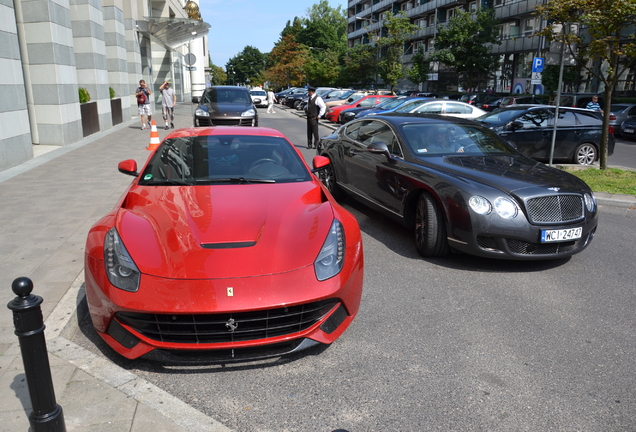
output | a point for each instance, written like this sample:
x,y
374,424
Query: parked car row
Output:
x,y
528,128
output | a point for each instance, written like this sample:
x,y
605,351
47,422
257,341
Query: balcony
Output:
x,y
517,44
511,9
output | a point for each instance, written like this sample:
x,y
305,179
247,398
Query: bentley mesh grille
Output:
x,y
555,208
226,327
487,242
524,248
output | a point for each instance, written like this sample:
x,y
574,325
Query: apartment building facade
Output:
x,y
518,46
49,49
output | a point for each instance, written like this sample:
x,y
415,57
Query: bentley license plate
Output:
x,y
560,235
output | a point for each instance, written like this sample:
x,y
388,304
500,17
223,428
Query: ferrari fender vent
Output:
x,y
226,327
555,208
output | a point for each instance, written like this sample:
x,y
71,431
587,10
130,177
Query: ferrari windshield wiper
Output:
x,y
235,180
168,183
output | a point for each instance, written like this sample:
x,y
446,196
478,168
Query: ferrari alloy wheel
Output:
x,y
328,178
430,230
585,154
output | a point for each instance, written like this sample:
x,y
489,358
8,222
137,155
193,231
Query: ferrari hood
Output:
x,y
223,231
512,173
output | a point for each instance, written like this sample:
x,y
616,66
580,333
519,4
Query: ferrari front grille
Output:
x,y
226,327
555,208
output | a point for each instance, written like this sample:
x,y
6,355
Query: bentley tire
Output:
x,y
430,230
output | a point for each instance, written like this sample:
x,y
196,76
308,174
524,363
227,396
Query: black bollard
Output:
x,y
47,415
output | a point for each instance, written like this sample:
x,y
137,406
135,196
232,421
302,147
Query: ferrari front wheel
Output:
x,y
430,230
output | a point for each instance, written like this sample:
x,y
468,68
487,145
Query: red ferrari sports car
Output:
x,y
225,247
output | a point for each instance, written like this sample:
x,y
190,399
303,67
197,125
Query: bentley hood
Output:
x,y
512,174
222,231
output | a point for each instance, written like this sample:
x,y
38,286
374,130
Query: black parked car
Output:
x,y
225,106
294,96
628,129
459,186
529,128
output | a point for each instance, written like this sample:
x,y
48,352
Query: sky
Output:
x,y
236,24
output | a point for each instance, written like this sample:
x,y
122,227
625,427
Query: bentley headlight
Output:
x,y
480,205
120,268
249,113
200,112
590,201
506,208
331,257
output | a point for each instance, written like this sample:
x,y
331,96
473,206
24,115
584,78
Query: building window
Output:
x,y
420,22
431,20
472,7
406,6
431,45
529,26
499,3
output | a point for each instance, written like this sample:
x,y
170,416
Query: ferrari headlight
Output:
x,y
590,201
480,205
249,113
506,208
200,112
331,257
120,268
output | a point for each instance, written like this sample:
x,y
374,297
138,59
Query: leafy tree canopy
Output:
x,y
465,44
247,66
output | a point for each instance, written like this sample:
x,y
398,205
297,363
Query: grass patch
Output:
x,y
611,180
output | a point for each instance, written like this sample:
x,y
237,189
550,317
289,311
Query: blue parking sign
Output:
x,y
537,64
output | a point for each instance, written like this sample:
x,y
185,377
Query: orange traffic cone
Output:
x,y
154,137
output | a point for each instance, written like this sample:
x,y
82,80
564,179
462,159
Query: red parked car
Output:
x,y
225,246
333,113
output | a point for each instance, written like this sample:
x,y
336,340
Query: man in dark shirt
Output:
x,y
315,111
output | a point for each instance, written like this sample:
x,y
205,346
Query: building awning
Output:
x,y
173,32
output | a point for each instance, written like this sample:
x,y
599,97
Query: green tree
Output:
x,y
247,66
218,75
360,65
605,48
324,28
550,77
398,30
465,44
421,68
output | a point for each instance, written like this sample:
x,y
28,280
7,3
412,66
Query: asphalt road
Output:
x,y
454,344
624,153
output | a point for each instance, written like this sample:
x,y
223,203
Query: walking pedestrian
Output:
x,y
143,103
270,102
315,111
168,101
594,105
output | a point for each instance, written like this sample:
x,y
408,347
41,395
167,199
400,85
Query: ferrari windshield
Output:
x,y
229,159
433,139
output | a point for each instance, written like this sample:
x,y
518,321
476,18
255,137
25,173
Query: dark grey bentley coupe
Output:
x,y
460,187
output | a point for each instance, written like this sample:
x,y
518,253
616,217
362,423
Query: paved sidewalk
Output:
x,y
48,206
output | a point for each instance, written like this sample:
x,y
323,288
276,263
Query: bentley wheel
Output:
x,y
585,154
328,178
430,230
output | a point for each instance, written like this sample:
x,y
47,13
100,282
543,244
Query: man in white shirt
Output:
x,y
168,101
315,111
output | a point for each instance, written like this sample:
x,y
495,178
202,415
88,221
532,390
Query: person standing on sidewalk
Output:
x,y
168,101
270,102
315,111
143,103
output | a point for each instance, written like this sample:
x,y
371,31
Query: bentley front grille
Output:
x,y
226,327
555,208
